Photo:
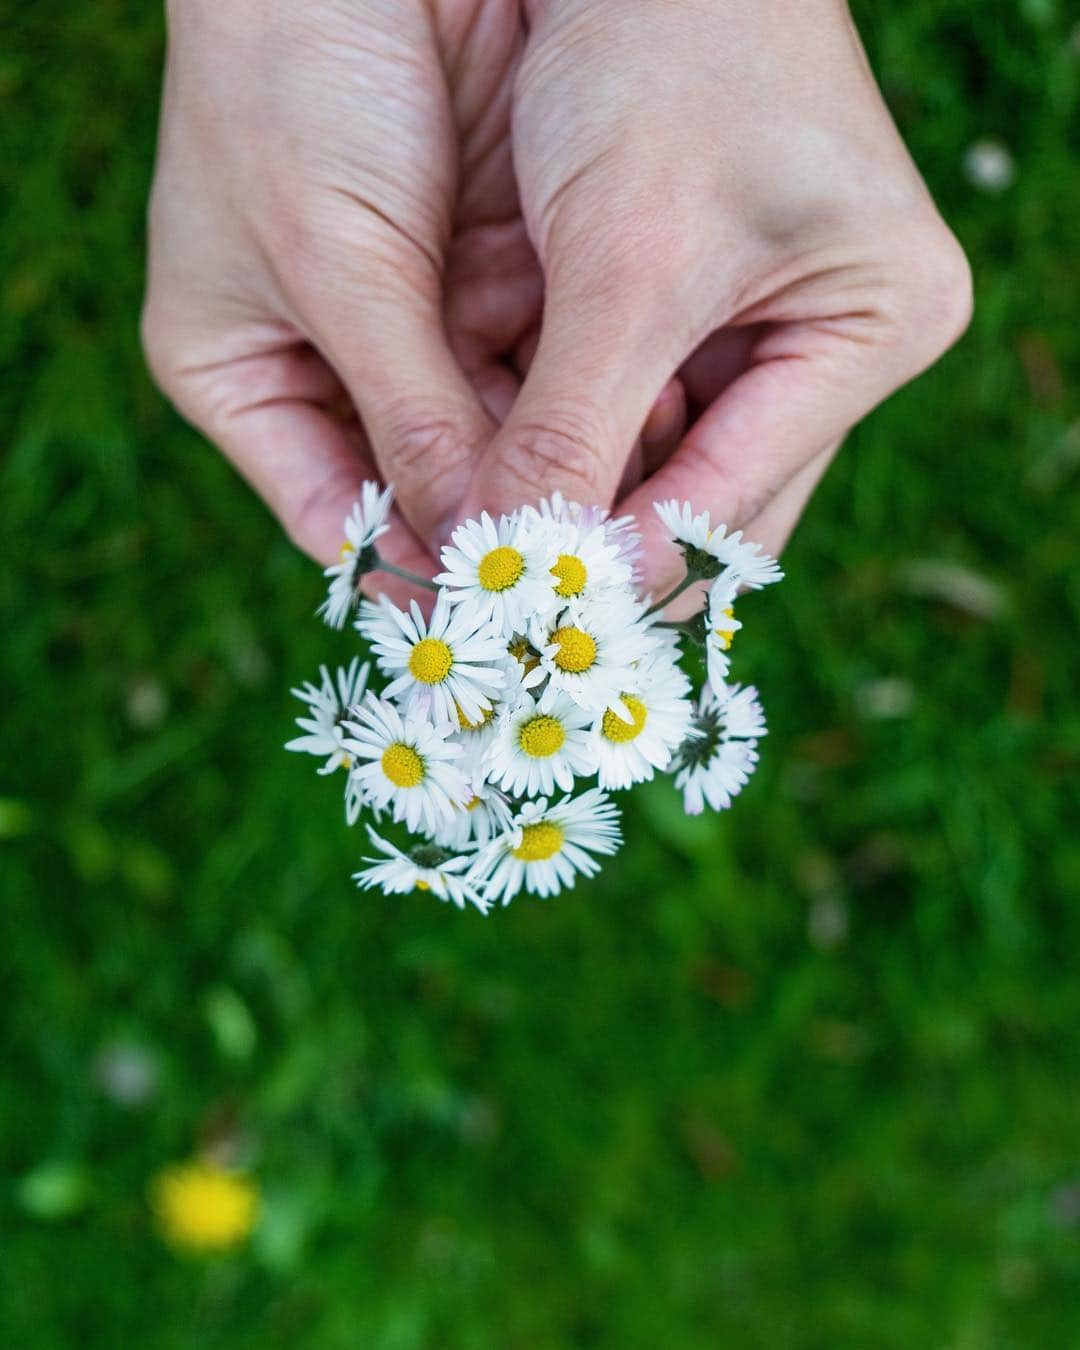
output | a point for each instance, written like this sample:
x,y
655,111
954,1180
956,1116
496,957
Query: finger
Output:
x,y
664,426
605,353
808,384
424,421
305,463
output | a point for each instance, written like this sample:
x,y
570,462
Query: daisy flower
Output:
x,y
404,765
486,814
709,549
329,704
366,522
587,564
713,766
541,743
721,625
426,867
548,846
444,668
589,651
660,711
502,572
619,533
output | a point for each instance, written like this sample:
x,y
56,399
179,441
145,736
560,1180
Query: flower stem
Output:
x,y
686,582
382,565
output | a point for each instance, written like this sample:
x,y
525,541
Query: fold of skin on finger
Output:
x,y
664,427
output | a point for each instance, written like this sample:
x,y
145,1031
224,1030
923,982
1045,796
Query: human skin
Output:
x,y
690,224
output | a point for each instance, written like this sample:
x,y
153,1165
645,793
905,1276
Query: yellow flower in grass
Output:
x,y
203,1208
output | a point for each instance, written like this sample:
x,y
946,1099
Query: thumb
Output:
x,y
605,353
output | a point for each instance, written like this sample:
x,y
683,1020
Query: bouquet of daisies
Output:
x,y
541,683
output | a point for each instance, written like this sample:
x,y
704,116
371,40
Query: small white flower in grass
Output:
x,y
721,625
590,650
330,703
540,744
661,714
366,522
426,867
712,767
486,814
404,765
445,668
709,549
549,846
501,571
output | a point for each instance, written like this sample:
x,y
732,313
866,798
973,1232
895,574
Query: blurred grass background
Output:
x,y
803,1076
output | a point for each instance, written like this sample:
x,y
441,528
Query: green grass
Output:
x,y
802,1076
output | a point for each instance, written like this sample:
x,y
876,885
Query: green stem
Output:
x,y
383,566
683,585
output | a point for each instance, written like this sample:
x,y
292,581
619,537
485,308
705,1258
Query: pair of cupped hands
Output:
x,y
486,249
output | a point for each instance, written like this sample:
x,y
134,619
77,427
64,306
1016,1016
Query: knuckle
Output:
x,y
564,452
427,446
935,283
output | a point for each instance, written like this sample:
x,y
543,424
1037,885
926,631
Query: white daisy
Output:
x,y
366,522
661,713
426,867
404,765
541,743
721,625
709,549
619,533
588,564
503,571
329,704
548,846
475,739
445,668
486,814
712,767
590,650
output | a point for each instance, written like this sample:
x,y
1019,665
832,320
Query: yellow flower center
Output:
x,y
525,654
402,765
422,885
430,661
466,725
615,729
577,650
501,568
725,634
472,803
541,736
345,552
539,842
570,575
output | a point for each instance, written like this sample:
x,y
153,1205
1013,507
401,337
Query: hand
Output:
x,y
716,193
331,177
